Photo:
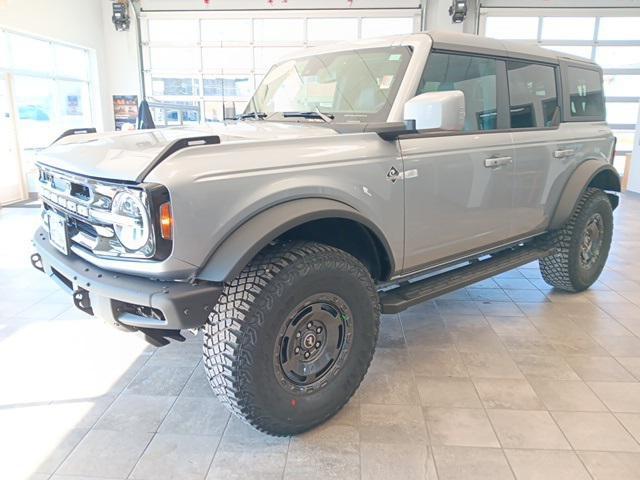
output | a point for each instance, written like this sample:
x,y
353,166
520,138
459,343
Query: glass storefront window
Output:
x,y
226,30
174,31
618,56
174,86
516,28
30,54
568,28
619,28
378,27
279,30
622,85
622,113
175,59
332,29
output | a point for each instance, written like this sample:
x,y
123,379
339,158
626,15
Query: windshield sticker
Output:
x,y
395,57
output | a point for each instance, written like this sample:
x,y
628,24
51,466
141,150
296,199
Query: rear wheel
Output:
x,y
292,337
582,244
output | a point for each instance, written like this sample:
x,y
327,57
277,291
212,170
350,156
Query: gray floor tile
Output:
x,y
142,413
595,431
171,456
389,388
437,363
612,465
546,464
631,421
491,365
383,461
599,369
545,366
392,424
504,393
447,392
567,396
618,396
196,416
527,429
157,379
462,463
106,453
460,427
325,452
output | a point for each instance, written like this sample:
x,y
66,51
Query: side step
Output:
x,y
407,295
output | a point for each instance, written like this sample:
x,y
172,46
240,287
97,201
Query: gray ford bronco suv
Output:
x,y
363,178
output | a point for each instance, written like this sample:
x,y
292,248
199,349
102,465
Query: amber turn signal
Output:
x,y
166,221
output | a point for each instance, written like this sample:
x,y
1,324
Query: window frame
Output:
x,y
502,94
559,94
566,101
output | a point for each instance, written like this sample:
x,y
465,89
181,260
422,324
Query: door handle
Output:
x,y
563,153
494,162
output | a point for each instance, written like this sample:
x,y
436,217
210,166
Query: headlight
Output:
x,y
133,229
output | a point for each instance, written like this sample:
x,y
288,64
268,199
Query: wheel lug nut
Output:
x,y
298,335
317,344
306,354
319,330
309,325
297,350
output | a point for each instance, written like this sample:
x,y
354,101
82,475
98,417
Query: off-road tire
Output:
x,y
242,332
564,270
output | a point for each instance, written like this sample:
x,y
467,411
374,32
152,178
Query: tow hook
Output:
x,y
36,262
82,301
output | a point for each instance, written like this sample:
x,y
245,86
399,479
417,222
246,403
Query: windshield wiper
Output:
x,y
256,115
327,117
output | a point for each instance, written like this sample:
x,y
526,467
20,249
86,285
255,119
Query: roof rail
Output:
x,y
74,131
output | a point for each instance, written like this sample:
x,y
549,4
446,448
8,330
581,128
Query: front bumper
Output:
x,y
128,300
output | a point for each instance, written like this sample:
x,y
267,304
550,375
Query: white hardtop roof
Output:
x,y
449,41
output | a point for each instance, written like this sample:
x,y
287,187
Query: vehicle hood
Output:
x,y
125,155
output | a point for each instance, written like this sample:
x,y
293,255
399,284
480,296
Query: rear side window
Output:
x,y
476,77
586,98
533,98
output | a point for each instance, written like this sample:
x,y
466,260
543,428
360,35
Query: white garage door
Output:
x,y
611,37
213,61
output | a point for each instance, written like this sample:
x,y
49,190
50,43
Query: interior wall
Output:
x,y
121,59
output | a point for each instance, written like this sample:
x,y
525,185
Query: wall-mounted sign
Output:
x,y
125,111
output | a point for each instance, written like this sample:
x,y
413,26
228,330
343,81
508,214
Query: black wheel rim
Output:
x,y
313,343
592,241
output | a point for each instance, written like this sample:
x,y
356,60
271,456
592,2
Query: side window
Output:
x,y
586,98
474,76
533,97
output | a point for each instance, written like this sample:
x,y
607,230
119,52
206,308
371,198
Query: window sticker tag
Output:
x,y
394,57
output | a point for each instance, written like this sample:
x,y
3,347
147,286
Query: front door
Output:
x,y
459,186
11,181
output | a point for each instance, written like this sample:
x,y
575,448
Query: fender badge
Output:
x,y
393,174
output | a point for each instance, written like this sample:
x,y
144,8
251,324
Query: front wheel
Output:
x,y
292,337
582,244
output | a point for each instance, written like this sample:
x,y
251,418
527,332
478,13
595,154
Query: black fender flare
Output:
x,y
246,241
589,172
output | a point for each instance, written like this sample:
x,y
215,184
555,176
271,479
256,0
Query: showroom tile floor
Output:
x,y
505,379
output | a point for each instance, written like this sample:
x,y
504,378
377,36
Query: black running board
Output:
x,y
412,293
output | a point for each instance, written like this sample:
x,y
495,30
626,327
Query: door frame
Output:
x,y
7,79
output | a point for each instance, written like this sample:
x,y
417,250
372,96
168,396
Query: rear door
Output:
x,y
544,153
459,185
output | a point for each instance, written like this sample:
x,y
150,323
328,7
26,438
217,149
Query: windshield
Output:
x,y
351,86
